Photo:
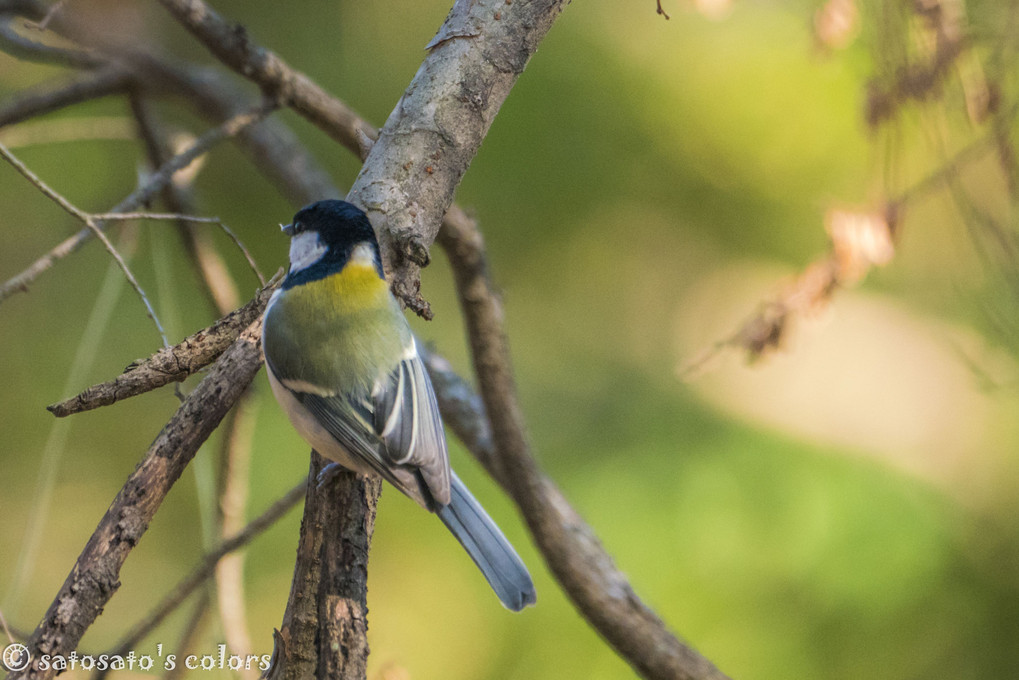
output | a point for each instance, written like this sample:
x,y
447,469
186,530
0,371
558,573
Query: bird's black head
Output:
x,y
340,223
323,236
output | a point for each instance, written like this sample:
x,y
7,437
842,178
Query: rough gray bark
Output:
x,y
573,552
95,576
325,628
170,364
430,138
428,144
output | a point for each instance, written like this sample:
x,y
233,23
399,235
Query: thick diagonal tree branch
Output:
x,y
231,44
95,576
437,127
475,59
632,628
493,71
574,554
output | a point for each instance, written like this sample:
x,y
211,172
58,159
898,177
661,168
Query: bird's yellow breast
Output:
x,y
356,287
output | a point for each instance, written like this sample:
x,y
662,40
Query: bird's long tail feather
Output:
x,y
487,546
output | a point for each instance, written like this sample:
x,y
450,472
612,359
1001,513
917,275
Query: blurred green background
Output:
x,y
843,509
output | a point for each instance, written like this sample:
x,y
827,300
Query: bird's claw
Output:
x,y
327,474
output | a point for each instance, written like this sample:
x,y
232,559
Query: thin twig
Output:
x,y
95,228
190,218
50,13
206,568
272,146
219,288
229,128
50,193
153,184
172,364
949,169
189,636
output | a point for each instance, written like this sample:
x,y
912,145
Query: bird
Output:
x,y
344,365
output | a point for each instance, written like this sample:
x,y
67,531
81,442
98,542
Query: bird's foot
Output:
x,y
327,475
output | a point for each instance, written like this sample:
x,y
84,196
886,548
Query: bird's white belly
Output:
x,y
310,429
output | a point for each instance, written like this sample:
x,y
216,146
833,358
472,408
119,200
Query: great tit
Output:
x,y
343,364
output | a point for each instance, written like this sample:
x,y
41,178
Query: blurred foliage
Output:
x,y
636,160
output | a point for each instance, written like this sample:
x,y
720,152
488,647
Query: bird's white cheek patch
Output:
x,y
363,255
305,250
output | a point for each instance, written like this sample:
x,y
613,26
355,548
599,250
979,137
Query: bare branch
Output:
x,y
235,459
189,636
27,49
181,217
220,289
231,44
94,578
170,364
206,568
438,125
273,148
94,228
139,196
572,551
48,98
50,193
226,130
324,628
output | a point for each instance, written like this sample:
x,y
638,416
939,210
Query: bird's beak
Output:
x,y
287,229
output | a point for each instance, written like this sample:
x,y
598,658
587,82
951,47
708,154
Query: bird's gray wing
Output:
x,y
406,417
395,431
349,424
